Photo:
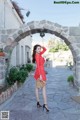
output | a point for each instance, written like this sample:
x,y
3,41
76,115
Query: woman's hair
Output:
x,y
34,52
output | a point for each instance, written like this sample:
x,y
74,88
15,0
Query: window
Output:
x,y
22,55
27,54
17,55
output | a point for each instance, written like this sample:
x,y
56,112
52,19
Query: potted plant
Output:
x,y
29,67
1,52
12,76
18,75
70,79
21,76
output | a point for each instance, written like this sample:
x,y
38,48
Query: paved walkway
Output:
x,y
22,105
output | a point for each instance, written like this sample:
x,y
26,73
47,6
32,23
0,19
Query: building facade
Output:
x,y
9,19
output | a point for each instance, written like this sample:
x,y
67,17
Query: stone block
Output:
x,y
4,38
50,23
76,52
64,34
15,86
20,31
31,25
72,39
78,45
43,21
3,31
9,31
15,36
49,28
77,39
9,41
19,37
26,28
6,95
78,62
3,96
66,41
66,29
8,92
74,31
0,98
57,25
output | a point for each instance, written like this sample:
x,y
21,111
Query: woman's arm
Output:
x,y
44,49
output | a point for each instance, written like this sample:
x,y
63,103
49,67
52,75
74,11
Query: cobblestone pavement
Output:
x,y
22,105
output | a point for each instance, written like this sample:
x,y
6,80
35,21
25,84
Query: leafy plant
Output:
x,y
59,46
70,79
1,49
21,76
16,75
23,68
29,67
11,78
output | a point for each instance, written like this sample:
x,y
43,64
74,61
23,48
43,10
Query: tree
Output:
x,y
51,43
59,46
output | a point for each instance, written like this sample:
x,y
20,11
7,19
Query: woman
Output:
x,y
40,73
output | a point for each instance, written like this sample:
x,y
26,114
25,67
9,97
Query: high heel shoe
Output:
x,y
38,105
44,106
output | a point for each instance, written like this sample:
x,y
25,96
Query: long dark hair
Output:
x,y
34,52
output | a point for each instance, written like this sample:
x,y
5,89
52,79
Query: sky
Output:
x,y
63,14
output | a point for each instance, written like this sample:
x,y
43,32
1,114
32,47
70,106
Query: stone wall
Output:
x,y
8,93
70,35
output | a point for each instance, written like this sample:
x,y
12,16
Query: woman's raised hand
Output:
x,y
42,46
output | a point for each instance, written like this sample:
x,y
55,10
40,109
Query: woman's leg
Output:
x,y
44,95
37,94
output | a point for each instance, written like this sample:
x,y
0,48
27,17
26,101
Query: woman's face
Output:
x,y
38,49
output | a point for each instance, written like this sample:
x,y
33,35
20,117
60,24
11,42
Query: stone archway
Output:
x,y
70,35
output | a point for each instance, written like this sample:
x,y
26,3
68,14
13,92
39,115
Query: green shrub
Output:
x,y
29,67
70,79
23,68
59,46
11,78
21,76
16,75
1,49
